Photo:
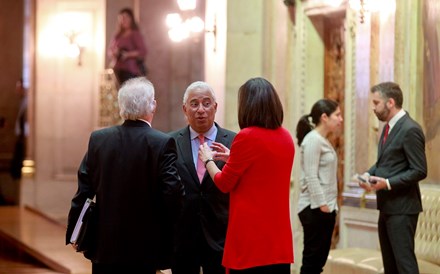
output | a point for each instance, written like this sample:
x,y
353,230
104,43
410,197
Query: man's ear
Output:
x,y
391,103
154,105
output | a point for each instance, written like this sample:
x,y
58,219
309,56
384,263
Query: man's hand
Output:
x,y
378,183
363,181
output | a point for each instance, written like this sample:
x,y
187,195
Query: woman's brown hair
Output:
x,y
259,105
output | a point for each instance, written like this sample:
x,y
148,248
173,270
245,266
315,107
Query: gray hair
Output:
x,y
136,98
198,85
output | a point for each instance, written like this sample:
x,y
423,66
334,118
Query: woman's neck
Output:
x,y
322,131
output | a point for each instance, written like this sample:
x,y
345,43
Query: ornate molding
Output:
x,y
108,100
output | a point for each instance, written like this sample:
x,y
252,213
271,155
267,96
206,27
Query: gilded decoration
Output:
x,y
108,100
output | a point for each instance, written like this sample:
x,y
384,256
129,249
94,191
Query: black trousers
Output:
x,y
318,229
199,254
122,268
396,237
266,269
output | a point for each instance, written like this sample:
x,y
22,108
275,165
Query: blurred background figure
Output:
x,y
127,49
21,131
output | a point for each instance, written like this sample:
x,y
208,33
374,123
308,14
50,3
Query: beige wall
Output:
x,y
66,93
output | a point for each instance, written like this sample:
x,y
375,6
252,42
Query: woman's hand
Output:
x,y
221,152
205,152
325,209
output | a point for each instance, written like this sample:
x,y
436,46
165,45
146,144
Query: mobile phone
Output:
x,y
362,179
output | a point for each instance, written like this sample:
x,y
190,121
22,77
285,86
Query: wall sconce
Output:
x,y
185,24
67,34
75,47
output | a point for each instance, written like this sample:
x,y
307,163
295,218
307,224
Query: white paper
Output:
x,y
79,222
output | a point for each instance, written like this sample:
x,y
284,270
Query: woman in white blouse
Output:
x,y
317,205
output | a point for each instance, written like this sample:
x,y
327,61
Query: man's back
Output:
x,y
132,168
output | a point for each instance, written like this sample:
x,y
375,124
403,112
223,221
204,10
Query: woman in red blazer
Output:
x,y
257,176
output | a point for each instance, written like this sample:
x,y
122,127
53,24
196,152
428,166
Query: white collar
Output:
x,y
210,134
396,118
144,121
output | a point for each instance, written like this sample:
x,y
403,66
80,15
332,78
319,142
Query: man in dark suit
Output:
x,y
400,165
201,228
131,168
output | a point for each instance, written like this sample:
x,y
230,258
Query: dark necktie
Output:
x,y
385,134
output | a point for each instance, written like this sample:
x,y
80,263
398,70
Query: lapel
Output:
x,y
184,141
185,151
392,135
221,136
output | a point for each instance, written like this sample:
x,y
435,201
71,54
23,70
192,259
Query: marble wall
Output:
x,y
431,84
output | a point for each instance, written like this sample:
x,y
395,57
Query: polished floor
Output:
x,y
42,239
15,261
33,226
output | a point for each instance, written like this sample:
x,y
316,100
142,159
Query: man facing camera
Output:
x,y
201,228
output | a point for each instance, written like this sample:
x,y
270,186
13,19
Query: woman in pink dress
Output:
x,y
127,49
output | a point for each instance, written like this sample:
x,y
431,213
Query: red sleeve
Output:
x,y
242,155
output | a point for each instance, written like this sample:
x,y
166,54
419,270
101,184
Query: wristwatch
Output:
x,y
209,160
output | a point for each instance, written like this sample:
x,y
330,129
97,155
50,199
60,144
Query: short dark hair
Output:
x,y
389,90
322,106
259,105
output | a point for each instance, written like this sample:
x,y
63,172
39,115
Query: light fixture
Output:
x,y
75,47
75,26
186,24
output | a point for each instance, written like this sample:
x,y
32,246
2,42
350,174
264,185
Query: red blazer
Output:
x,y
257,175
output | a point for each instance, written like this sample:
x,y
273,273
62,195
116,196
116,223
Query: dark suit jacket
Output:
x,y
205,205
131,169
402,161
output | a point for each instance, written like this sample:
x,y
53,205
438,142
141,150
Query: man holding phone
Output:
x,y
400,165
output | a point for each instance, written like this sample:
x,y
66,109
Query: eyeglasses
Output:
x,y
196,105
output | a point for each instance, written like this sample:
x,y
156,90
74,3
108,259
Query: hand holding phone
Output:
x,y
362,179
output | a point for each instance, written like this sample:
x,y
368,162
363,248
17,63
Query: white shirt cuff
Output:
x,y
388,184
